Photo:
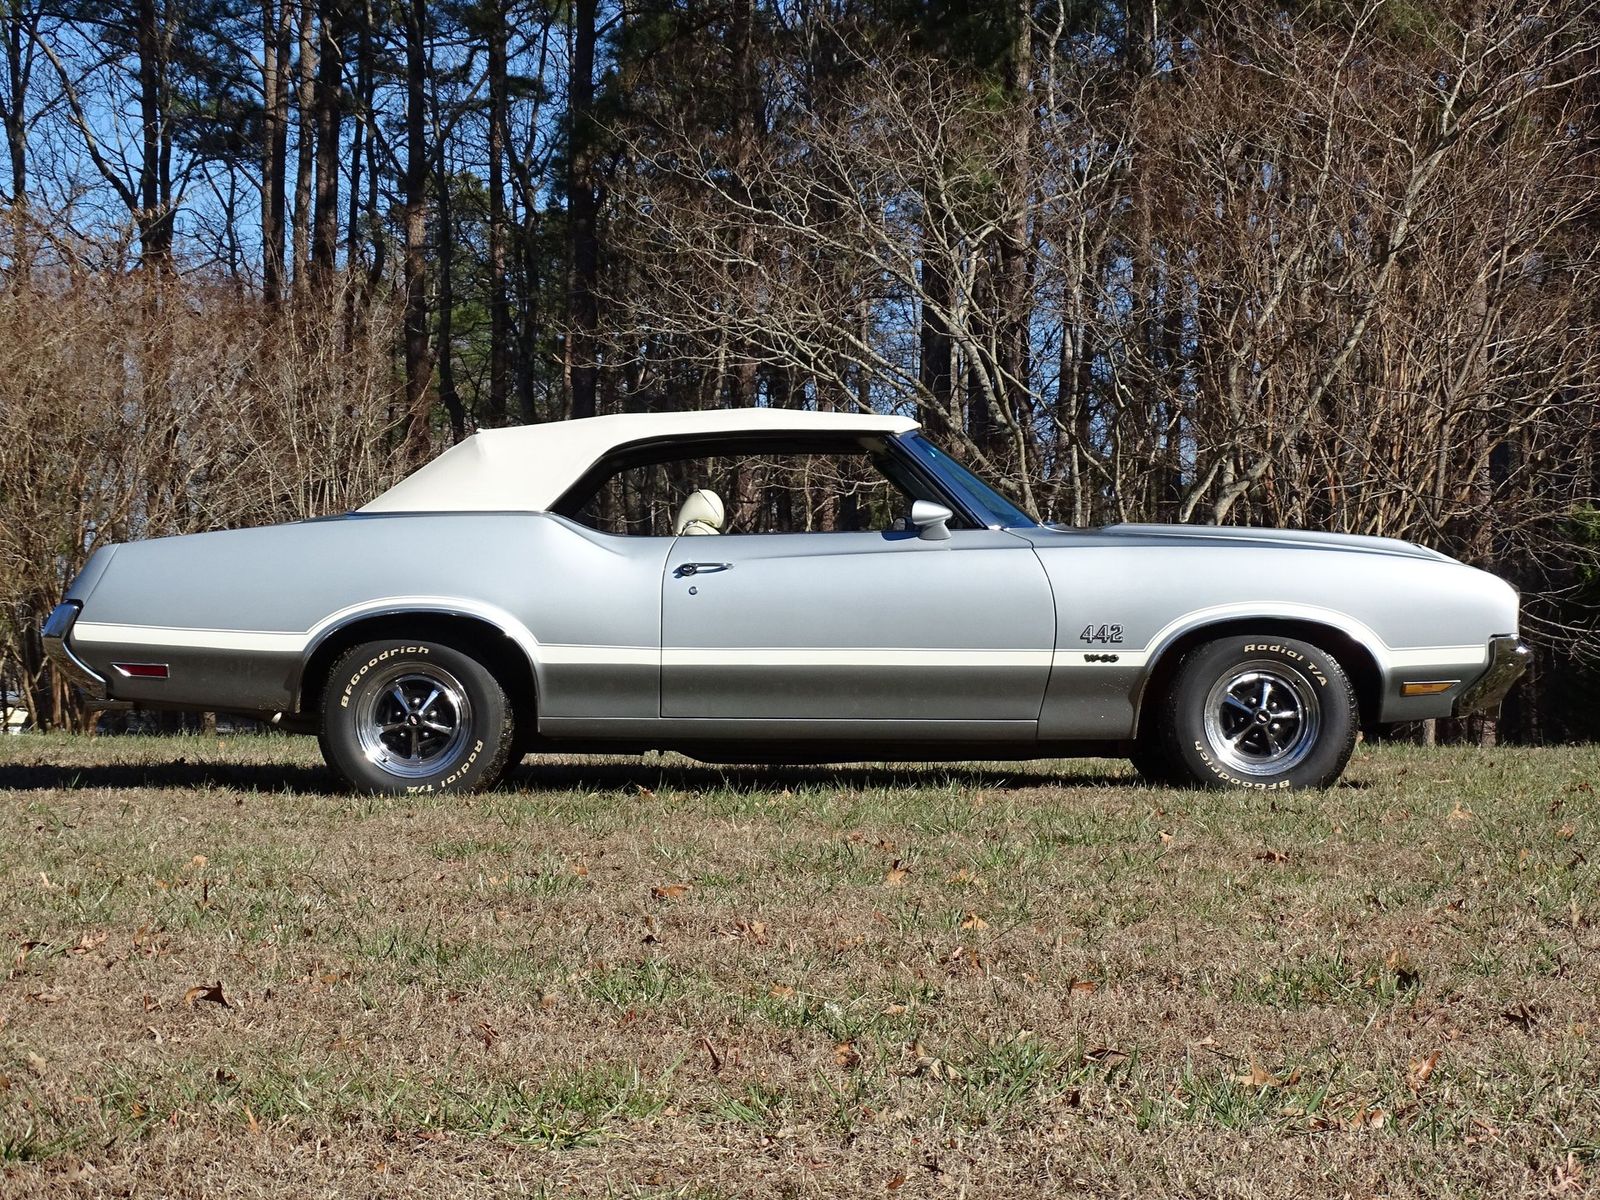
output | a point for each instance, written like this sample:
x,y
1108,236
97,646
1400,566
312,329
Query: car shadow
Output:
x,y
536,775
613,774
175,775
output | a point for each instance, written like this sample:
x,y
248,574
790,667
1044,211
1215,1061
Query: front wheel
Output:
x,y
403,717
1260,712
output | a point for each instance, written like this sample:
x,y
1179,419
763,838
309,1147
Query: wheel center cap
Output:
x,y
414,719
1262,716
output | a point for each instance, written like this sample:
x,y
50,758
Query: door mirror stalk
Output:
x,y
931,520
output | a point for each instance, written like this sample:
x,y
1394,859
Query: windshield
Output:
x,y
975,491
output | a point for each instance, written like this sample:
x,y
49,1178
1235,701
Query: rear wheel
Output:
x,y
411,716
1260,712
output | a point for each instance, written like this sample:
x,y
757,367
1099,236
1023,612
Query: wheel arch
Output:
x,y
503,646
1346,647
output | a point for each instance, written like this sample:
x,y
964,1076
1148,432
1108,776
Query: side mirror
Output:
x,y
930,518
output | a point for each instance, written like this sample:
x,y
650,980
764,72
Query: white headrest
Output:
x,y
703,511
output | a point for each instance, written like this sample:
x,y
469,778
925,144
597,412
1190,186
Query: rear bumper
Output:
x,y
1508,660
54,634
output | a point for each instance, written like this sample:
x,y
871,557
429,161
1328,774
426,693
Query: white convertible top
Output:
x,y
528,467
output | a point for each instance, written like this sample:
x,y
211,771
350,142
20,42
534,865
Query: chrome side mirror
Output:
x,y
930,518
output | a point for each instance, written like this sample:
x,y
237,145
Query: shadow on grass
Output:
x,y
536,774
177,774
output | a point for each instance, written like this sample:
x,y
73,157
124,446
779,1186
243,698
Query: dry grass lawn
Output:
x,y
656,978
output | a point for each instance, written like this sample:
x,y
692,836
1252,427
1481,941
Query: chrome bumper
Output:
x,y
69,664
1508,659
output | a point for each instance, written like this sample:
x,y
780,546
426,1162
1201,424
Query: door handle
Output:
x,y
699,568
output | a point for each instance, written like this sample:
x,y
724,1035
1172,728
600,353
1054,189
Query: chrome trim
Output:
x,y
414,720
1262,718
54,634
1508,659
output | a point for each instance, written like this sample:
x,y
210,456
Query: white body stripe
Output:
x,y
561,654
96,633
830,657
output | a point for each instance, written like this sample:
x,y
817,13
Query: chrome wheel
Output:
x,y
415,720
1262,718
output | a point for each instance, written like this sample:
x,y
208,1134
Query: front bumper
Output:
x,y
1508,659
69,664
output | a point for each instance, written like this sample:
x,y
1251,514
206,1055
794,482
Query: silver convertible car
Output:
x,y
772,585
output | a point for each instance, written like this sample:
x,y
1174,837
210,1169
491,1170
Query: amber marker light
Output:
x,y
1430,688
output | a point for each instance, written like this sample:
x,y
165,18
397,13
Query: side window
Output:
x,y
789,492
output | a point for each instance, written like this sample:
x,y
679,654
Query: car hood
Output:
x,y
1233,535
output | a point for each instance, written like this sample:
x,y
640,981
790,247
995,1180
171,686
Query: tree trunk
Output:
x,y
414,200
583,210
305,104
330,76
18,25
499,307
937,347
448,395
274,142
154,218
1013,267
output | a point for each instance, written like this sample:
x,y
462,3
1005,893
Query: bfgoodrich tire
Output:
x,y
1262,712
403,717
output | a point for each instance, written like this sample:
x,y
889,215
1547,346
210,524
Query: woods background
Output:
x,y
1311,264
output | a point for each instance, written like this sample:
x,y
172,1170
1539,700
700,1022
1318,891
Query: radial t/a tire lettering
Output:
x,y
408,717
1262,712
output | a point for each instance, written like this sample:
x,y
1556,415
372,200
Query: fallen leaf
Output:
x,y
90,941
781,991
893,1010
670,891
1406,974
49,995
1166,838
846,1055
1569,1177
896,874
1106,1056
965,878
1417,1074
644,792
1523,1015
1487,1131
212,994
199,860
1272,856
751,931
36,1063
1458,813
579,869
973,921
1082,986
1259,1077
923,1062
894,1182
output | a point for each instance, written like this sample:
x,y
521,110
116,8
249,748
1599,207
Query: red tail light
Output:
x,y
142,670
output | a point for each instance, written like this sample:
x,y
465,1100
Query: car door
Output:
x,y
867,630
